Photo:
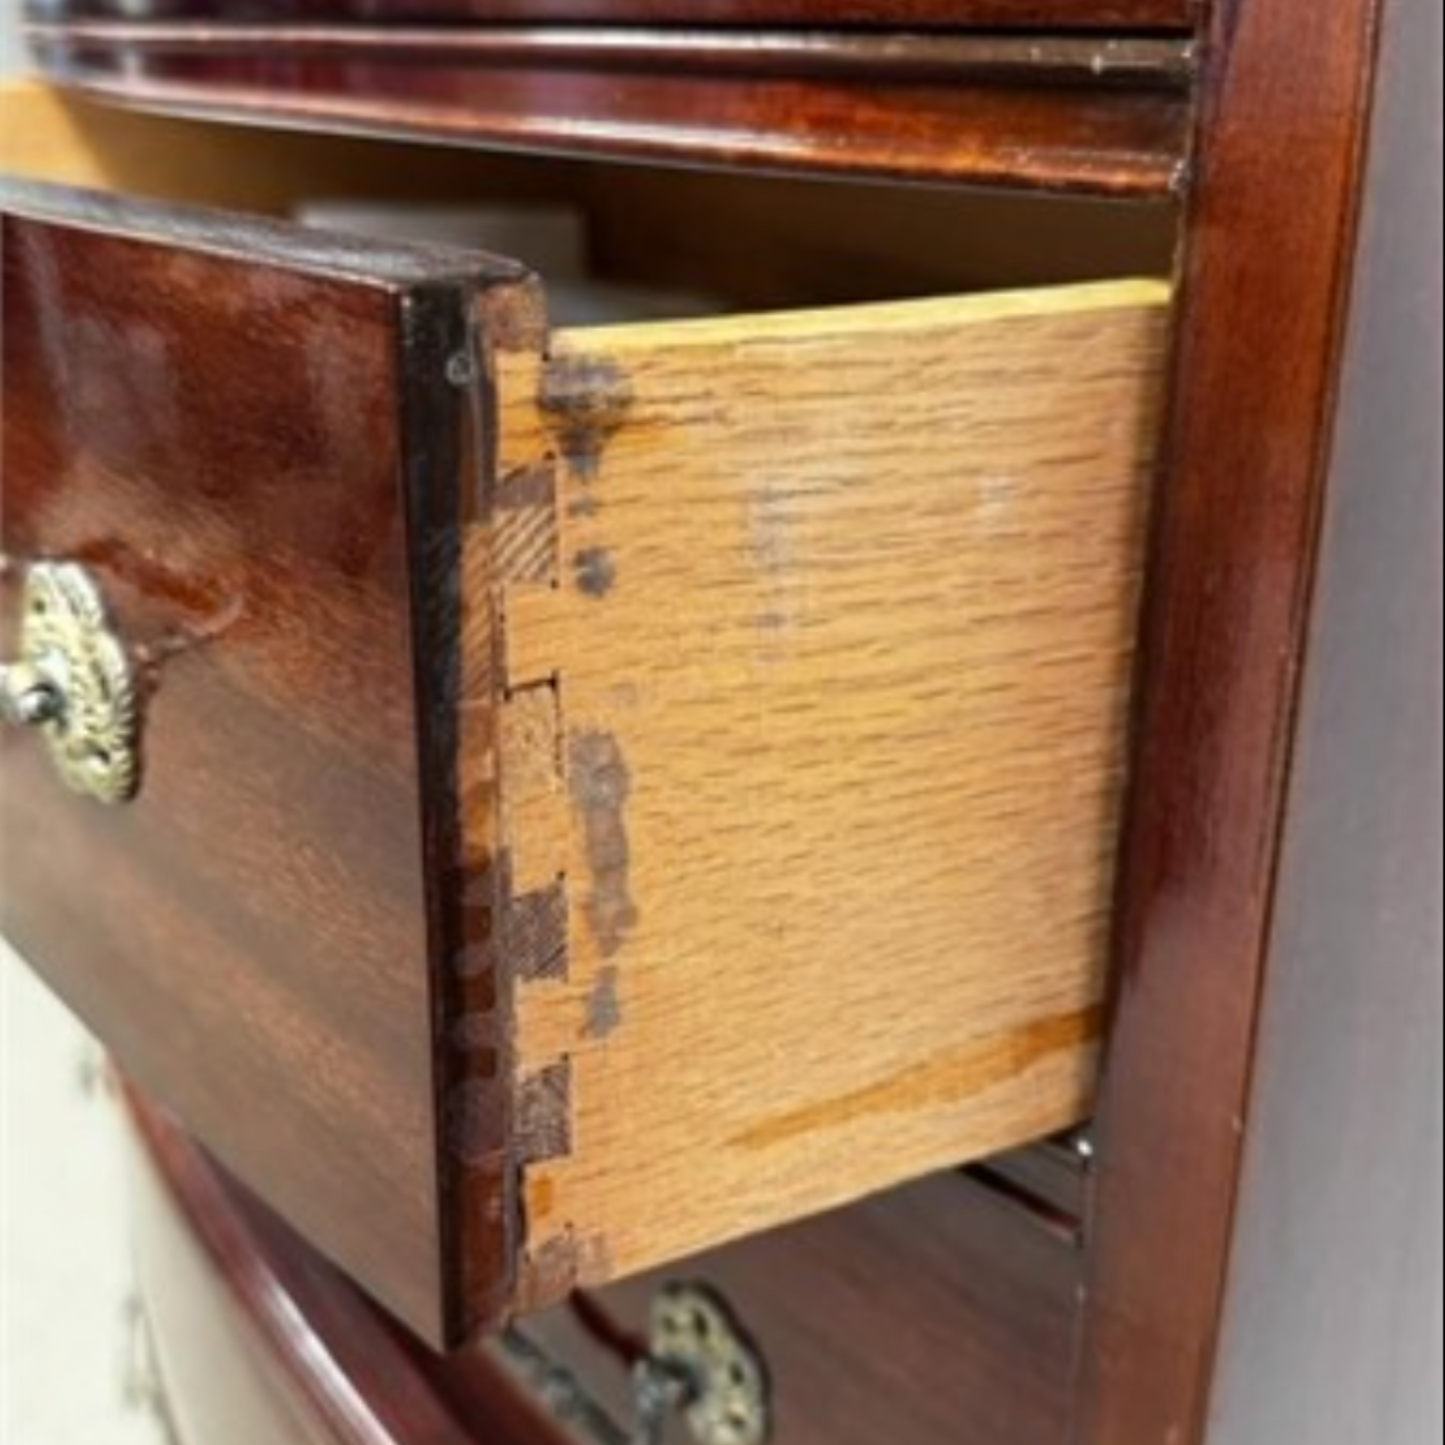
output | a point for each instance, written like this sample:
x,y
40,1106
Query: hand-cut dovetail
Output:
x,y
542,1129
524,526
536,934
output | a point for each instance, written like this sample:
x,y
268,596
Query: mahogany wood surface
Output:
x,y
1121,15
224,421
1266,275
1090,115
937,1315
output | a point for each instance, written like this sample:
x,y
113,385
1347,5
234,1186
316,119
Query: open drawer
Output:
x,y
596,793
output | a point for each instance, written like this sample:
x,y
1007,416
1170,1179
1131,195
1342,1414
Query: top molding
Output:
x,y
1022,15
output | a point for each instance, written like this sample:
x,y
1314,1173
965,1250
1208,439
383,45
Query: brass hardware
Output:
x,y
73,683
694,1334
700,1369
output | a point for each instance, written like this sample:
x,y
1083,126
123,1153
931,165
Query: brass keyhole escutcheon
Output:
x,y
73,683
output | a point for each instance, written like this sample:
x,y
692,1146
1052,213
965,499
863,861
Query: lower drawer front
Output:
x,y
935,1315
938,1314
599,793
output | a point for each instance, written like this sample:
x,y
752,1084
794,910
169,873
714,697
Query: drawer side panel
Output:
x,y
840,645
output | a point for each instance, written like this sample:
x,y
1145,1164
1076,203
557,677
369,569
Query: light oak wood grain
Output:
x,y
839,637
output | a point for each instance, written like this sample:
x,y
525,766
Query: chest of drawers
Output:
x,y
581,796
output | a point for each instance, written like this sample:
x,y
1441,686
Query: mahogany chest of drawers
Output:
x,y
689,811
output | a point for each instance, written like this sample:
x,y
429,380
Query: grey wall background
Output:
x,y
9,40
1334,1335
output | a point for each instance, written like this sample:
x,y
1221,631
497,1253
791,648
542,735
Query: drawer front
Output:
x,y
225,429
933,1315
602,793
257,1340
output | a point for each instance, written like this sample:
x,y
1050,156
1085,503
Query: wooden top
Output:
x,y
894,14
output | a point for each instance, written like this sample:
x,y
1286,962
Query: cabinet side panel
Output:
x,y
1333,1323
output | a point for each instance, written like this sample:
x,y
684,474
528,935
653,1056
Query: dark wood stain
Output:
x,y
536,934
604,1005
600,784
585,400
595,569
543,1124
262,926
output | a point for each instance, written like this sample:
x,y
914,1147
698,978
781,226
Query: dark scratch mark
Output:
x,y
543,1124
596,570
601,785
604,1006
585,400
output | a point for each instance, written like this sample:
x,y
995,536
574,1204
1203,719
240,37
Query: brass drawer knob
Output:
x,y
701,1373
73,683
696,1340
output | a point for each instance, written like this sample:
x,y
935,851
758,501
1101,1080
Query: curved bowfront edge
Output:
x,y
1094,115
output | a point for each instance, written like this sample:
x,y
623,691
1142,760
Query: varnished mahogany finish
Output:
x,y
1266,277
246,433
892,14
1099,116
934,1316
